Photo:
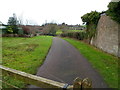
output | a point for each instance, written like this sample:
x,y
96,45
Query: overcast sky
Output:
x,y
41,11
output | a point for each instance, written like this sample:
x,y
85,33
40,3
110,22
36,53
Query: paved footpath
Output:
x,y
64,63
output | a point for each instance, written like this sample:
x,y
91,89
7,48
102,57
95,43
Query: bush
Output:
x,y
20,32
26,30
50,29
91,19
76,35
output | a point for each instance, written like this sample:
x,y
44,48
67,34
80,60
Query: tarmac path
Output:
x,y
64,63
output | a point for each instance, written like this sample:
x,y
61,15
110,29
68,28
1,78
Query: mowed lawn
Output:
x,y
24,54
75,30
106,64
60,31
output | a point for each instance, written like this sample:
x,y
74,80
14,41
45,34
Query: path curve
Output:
x,y
64,63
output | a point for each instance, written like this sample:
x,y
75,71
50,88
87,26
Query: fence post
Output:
x,y
80,84
77,83
86,83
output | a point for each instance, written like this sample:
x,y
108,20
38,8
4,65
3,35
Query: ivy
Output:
x,y
91,19
114,11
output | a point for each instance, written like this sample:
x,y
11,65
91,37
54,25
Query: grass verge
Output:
x,y
106,64
24,54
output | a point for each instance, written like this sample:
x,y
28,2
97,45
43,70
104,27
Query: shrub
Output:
x,y
20,31
76,35
50,29
26,30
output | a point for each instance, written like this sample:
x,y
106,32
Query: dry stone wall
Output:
x,y
107,36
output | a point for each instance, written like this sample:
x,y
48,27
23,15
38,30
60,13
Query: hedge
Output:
x,y
76,35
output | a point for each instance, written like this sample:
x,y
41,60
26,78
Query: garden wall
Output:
x,y
107,36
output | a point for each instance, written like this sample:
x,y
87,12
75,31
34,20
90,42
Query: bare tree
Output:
x,y
63,27
50,28
20,20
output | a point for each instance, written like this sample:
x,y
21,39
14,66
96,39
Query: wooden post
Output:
x,y
86,83
80,84
77,83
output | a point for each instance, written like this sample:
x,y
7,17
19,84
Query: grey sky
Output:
x,y
39,11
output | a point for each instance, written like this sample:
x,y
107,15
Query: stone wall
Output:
x,y
107,36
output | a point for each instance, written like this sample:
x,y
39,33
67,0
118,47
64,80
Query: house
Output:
x,y
76,27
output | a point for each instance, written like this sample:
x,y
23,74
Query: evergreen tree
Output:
x,y
13,23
